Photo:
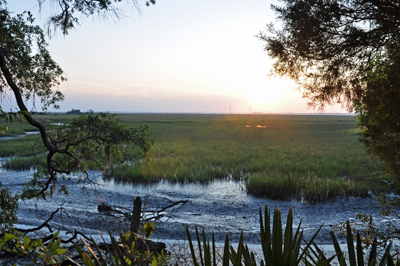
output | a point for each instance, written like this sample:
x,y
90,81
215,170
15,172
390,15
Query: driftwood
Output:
x,y
49,237
136,213
135,221
46,223
135,217
146,216
141,244
149,245
104,208
158,214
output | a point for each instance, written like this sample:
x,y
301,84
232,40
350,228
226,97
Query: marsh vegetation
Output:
x,y
313,158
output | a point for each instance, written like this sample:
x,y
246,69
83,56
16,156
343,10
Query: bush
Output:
x,y
8,211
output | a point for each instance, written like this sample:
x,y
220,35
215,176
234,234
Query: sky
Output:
x,y
175,56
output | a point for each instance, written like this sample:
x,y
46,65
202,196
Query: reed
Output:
x,y
280,156
29,145
25,163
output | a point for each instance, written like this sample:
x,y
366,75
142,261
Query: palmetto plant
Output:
x,y
207,259
356,256
278,249
286,251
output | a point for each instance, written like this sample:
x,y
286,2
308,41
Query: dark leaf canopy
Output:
x,y
24,57
324,44
26,60
68,11
28,70
379,110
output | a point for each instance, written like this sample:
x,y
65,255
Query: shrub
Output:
x,y
8,211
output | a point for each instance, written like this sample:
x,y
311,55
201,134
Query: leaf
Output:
x,y
27,241
6,238
103,262
277,238
386,255
86,259
199,244
225,259
372,254
338,250
191,246
148,229
154,262
214,253
287,244
360,254
350,245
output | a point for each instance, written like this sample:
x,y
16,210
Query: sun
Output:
x,y
274,91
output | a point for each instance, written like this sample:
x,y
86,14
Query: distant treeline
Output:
x,y
78,111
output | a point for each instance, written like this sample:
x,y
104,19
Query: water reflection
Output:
x,y
222,206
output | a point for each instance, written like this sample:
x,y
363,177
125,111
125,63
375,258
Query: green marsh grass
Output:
x,y
25,163
29,145
310,157
278,156
12,132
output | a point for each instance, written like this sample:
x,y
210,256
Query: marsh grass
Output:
x,y
29,145
309,157
25,163
278,156
12,132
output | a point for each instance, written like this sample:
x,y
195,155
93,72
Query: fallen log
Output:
x,y
104,208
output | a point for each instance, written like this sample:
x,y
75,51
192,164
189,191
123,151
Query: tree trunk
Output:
x,y
135,219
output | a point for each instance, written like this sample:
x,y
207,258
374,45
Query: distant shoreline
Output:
x,y
219,113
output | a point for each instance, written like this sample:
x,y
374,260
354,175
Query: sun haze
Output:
x,y
176,56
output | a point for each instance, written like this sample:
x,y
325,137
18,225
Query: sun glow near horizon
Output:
x,y
178,56
274,91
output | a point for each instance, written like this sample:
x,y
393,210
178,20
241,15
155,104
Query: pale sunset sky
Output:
x,y
176,56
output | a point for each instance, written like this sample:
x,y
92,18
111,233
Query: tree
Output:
x,y
348,52
325,45
344,52
379,110
28,71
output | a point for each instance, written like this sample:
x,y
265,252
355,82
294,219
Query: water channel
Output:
x,y
223,206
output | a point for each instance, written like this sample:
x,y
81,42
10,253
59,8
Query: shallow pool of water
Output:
x,y
222,206
18,136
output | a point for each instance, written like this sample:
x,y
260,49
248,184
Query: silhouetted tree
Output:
x,y
378,109
28,71
345,52
326,45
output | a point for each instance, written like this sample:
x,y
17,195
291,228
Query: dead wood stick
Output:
x,y
46,223
172,205
135,219
75,236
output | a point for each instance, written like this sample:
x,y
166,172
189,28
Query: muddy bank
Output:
x,y
222,206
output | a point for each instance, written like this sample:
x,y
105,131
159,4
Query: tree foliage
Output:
x,y
26,65
8,210
324,45
28,71
347,51
89,142
378,109
66,16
